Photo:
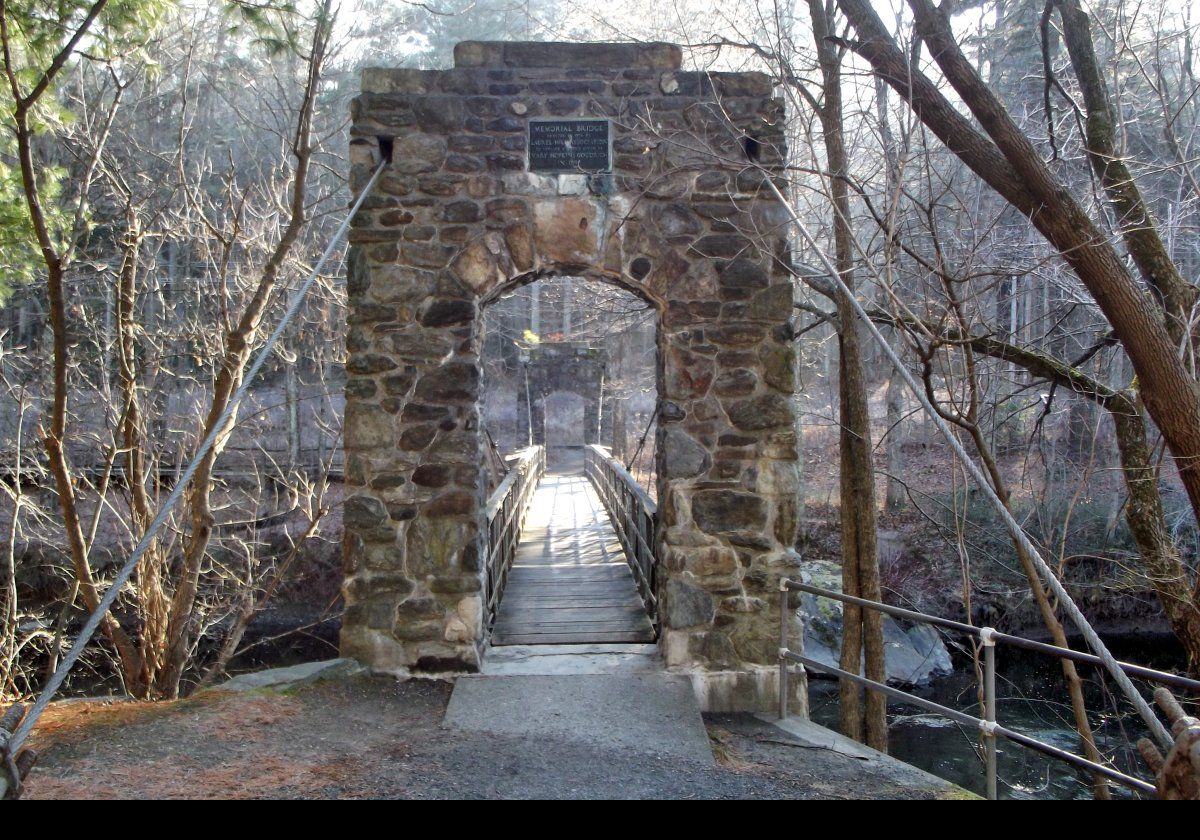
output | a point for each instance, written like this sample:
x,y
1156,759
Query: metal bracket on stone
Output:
x,y
601,183
386,146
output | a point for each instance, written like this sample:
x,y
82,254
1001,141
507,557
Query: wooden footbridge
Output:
x,y
570,553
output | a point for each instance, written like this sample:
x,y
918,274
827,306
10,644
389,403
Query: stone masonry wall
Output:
x,y
561,366
684,221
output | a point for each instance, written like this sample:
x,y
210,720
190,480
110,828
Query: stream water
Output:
x,y
1032,700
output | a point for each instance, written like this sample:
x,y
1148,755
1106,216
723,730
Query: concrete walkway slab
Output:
x,y
814,736
293,675
644,714
565,660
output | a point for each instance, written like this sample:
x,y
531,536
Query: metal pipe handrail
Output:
x,y
980,724
988,637
1139,671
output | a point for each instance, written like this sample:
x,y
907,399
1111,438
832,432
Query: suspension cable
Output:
x,y
1014,528
642,442
55,682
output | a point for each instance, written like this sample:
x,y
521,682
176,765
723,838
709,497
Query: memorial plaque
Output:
x,y
558,146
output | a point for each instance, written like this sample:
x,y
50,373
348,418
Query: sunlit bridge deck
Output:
x,y
570,582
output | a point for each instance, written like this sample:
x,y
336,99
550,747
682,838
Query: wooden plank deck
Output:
x,y
570,582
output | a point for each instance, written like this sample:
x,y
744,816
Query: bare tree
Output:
x,y
155,640
1004,157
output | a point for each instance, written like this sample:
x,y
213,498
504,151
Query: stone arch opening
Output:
x,y
578,343
460,216
563,357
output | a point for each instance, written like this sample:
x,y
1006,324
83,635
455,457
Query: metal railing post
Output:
x,y
987,637
801,672
786,656
784,688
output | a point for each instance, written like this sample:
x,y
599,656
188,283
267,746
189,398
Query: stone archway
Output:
x,y
458,217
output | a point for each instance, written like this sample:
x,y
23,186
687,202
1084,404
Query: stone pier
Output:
x,y
684,220
560,367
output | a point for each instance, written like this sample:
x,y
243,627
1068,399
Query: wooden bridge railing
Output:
x,y
633,515
505,511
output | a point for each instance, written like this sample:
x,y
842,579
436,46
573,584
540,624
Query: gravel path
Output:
x,y
375,738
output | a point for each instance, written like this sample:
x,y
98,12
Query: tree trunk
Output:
x,y
1138,227
897,494
1050,620
152,600
862,629
54,435
292,407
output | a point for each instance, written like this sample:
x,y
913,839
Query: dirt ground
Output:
x,y
377,738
